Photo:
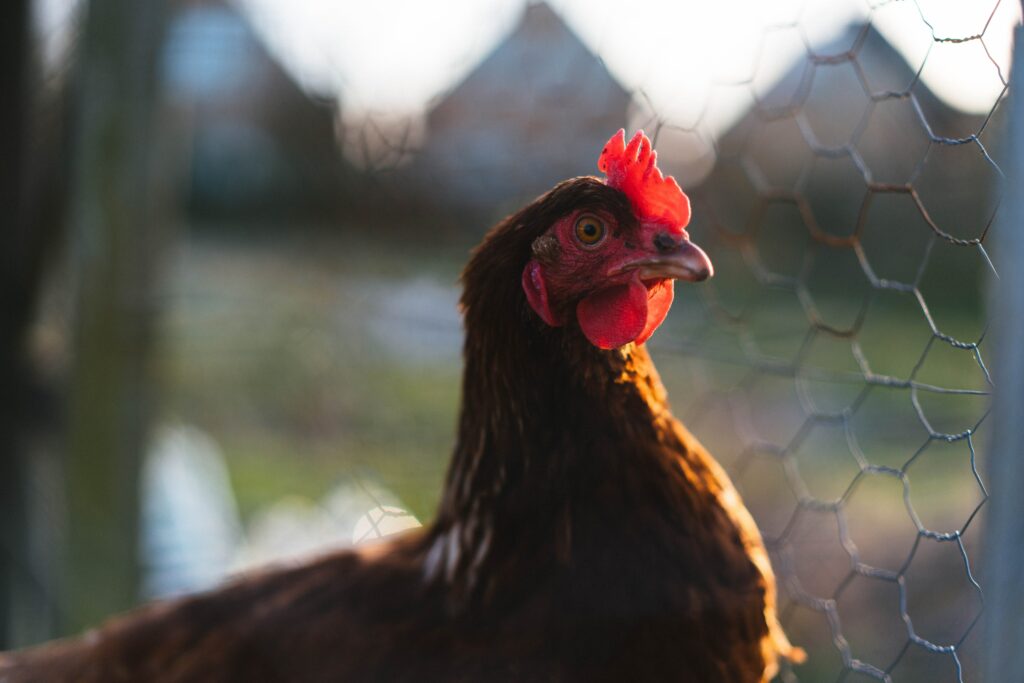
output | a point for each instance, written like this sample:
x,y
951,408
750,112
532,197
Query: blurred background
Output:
x,y
229,280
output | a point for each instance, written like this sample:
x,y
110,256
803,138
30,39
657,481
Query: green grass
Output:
x,y
270,348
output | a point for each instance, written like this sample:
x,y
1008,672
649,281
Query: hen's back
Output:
x,y
333,619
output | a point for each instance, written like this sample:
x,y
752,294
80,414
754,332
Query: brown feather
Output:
x,y
583,535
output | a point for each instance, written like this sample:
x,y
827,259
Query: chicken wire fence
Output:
x,y
837,364
841,352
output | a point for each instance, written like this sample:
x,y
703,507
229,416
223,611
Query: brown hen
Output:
x,y
583,535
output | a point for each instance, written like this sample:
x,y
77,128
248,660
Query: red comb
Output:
x,y
633,168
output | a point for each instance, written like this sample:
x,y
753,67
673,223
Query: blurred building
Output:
x,y
857,144
536,110
857,92
260,147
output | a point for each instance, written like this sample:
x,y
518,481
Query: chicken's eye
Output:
x,y
590,230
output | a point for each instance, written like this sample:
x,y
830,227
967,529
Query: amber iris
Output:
x,y
590,230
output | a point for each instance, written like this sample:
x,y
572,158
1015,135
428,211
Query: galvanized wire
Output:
x,y
726,362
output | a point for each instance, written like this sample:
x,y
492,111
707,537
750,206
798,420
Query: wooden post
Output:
x,y
1004,542
114,239
14,65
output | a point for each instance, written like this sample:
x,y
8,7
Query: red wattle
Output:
x,y
659,300
614,316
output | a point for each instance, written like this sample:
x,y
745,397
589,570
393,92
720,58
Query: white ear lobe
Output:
x,y
537,293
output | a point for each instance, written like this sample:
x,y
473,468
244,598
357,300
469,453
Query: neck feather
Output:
x,y
547,421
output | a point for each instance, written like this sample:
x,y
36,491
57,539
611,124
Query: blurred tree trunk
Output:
x,y
115,240
33,191
14,65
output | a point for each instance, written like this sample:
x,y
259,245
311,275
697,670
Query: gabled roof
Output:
x,y
541,54
536,110
829,89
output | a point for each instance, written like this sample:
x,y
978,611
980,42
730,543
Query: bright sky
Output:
x,y
396,55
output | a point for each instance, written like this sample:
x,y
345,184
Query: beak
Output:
x,y
683,261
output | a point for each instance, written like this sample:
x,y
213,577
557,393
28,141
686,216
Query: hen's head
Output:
x,y
611,257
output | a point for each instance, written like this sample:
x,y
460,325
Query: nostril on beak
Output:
x,y
665,243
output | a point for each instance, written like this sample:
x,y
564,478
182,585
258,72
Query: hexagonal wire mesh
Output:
x,y
836,364
841,349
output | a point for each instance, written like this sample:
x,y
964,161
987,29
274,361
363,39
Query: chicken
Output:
x,y
583,534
